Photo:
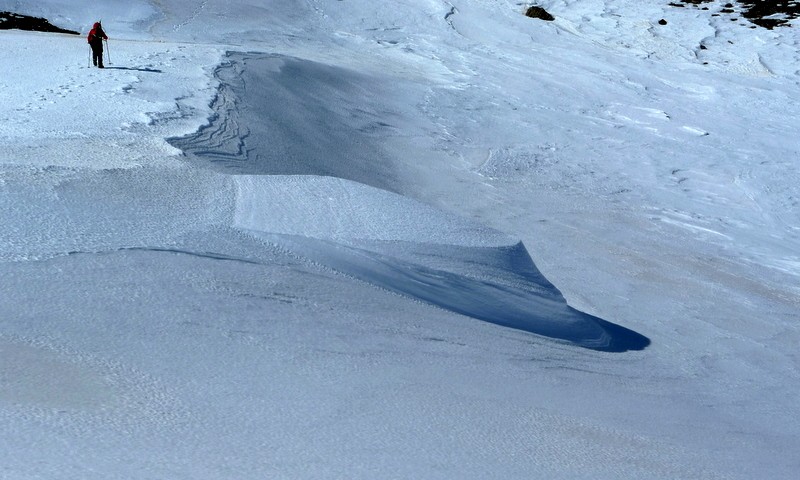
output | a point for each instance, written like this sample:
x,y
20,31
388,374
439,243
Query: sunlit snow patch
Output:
x,y
404,246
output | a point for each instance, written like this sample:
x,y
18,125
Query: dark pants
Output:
x,y
97,54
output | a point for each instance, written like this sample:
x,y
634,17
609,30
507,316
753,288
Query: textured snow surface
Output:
x,y
286,239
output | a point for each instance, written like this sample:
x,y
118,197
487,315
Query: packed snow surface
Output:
x,y
431,239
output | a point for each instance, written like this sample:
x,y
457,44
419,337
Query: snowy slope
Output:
x,y
285,239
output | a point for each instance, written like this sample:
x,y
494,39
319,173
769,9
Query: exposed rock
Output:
x,y
10,20
539,12
764,13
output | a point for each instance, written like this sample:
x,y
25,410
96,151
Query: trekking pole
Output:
x,y
109,53
89,63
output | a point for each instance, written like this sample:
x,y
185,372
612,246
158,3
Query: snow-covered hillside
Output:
x,y
287,239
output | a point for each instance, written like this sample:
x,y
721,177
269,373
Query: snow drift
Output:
x,y
275,115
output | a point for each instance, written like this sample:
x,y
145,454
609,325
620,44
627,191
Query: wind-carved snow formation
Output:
x,y
299,187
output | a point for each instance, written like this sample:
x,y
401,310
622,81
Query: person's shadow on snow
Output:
x,y
137,69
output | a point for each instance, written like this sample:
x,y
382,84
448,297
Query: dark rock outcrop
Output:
x,y
539,12
10,20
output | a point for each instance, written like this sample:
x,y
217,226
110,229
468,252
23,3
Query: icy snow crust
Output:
x,y
234,312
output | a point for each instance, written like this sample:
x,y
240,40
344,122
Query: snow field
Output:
x,y
73,115
165,316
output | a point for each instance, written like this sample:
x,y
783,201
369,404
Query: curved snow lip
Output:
x,y
530,304
409,248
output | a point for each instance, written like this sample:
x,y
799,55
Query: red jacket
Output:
x,y
96,35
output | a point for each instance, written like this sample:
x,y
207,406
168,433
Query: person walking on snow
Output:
x,y
95,39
